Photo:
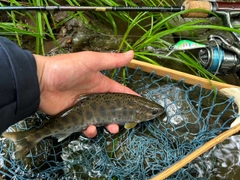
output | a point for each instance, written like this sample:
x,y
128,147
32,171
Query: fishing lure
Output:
x,y
183,45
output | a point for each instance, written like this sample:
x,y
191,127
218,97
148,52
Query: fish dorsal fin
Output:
x,y
130,125
61,137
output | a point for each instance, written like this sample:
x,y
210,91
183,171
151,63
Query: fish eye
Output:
x,y
155,111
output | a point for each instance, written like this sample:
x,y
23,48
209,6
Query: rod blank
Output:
x,y
93,8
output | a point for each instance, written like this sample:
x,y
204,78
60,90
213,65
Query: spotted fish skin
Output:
x,y
93,109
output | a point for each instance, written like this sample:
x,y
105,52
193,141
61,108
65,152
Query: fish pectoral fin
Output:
x,y
61,137
130,125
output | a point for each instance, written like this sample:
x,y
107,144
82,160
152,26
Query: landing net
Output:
x,y
192,117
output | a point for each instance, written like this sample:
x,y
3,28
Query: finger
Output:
x,y
109,85
104,61
117,87
90,132
113,128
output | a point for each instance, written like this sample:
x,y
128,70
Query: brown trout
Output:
x,y
93,109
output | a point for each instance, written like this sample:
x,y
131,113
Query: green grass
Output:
x,y
153,35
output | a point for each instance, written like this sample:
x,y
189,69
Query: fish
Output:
x,y
97,109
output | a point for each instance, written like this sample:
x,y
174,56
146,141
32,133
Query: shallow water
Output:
x,y
227,155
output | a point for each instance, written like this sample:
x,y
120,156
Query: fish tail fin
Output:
x,y
23,142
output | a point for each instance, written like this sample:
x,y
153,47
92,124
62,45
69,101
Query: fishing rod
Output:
x,y
188,4
93,8
199,9
223,58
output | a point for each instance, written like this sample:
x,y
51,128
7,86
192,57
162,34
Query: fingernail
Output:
x,y
129,53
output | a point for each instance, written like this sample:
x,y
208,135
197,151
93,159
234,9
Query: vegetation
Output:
x,y
155,29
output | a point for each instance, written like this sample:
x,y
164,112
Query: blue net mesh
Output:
x,y
192,117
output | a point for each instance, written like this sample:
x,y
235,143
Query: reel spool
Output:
x,y
217,59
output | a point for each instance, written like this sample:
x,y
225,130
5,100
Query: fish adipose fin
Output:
x,y
22,141
130,125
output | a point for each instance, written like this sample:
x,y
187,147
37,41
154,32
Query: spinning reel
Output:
x,y
222,58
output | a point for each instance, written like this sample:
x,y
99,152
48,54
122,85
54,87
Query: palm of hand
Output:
x,y
65,77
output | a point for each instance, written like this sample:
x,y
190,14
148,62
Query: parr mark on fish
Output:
x,y
74,120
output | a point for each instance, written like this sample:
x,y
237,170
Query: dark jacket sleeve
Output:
x,y
19,87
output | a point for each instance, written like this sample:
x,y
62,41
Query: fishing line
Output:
x,y
218,50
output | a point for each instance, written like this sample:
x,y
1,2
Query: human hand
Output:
x,y
63,78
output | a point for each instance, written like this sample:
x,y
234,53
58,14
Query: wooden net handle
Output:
x,y
178,75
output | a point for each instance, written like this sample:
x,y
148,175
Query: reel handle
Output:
x,y
191,4
224,9
231,8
